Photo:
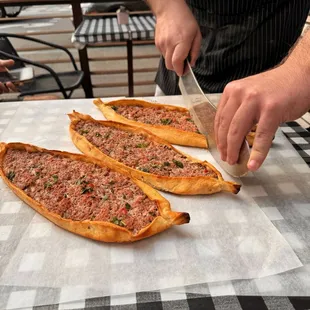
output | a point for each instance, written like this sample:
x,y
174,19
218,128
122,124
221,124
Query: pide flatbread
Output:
x,y
171,123
146,157
85,196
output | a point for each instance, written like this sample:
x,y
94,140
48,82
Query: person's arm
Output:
x,y
267,99
177,34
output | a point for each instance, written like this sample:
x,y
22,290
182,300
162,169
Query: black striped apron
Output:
x,y
240,38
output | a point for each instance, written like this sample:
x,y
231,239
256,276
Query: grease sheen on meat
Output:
x,y
80,191
140,152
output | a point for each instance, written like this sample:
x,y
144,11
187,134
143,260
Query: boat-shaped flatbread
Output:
x,y
146,157
84,196
171,123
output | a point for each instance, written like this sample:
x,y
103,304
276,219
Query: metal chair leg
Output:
x,y
130,68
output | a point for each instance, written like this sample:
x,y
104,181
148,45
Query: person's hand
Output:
x,y
267,99
9,86
177,36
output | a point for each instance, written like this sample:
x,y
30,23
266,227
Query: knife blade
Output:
x,y
203,111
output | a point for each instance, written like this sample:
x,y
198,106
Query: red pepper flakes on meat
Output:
x,y
123,211
100,201
138,151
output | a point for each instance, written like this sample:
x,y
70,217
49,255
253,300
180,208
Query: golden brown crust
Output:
x,y
97,230
176,185
166,132
251,136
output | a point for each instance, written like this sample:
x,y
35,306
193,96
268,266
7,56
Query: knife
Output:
x,y
203,111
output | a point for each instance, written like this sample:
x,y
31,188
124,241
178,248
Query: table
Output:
x,y
106,29
77,19
203,296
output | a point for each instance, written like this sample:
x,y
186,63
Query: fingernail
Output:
x,y
253,165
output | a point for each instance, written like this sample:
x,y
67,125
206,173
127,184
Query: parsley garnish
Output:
x,y
178,163
87,190
166,121
114,108
11,175
190,120
118,222
142,145
49,184
144,169
166,164
81,181
128,206
105,197
107,135
97,134
82,131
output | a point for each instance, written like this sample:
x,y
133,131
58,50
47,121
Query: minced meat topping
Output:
x,y
157,116
80,191
138,151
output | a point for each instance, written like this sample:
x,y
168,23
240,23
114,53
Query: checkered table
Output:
x,y
95,29
200,296
106,29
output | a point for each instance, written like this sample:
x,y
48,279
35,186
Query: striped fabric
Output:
x,y
107,29
240,38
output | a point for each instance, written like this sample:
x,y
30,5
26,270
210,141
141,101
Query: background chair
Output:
x,y
51,82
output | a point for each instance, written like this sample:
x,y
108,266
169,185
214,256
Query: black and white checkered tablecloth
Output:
x,y
107,29
14,297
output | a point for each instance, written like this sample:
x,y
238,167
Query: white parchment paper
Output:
x,y
229,236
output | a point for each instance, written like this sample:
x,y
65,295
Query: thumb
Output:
x,y
262,142
6,63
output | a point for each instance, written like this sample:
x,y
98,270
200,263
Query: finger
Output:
x,y
159,41
6,63
3,89
11,87
168,58
265,132
240,126
180,53
225,119
195,50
